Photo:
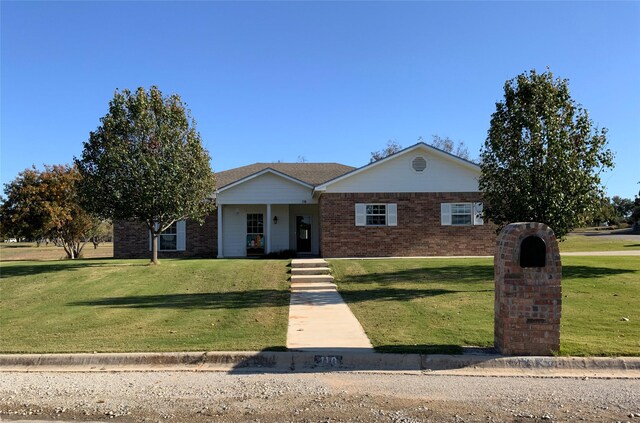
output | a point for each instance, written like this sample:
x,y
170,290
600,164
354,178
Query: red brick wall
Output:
x,y
528,300
419,232
131,240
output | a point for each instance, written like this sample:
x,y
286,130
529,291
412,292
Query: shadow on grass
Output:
x,y
218,300
466,274
453,274
631,245
397,294
48,266
589,272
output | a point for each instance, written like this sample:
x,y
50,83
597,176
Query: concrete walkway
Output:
x,y
319,319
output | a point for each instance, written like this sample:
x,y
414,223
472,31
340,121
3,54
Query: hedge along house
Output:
x,y
420,201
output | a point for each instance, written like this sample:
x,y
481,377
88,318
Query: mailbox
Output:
x,y
528,295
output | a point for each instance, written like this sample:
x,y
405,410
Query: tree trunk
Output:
x,y
154,248
69,250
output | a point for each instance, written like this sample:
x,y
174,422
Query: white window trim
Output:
x,y
446,214
390,215
162,234
181,237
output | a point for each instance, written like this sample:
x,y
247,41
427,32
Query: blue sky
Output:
x,y
329,81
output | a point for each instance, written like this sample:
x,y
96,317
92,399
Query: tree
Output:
x,y
543,156
44,205
635,213
101,232
623,206
605,213
448,145
392,148
146,162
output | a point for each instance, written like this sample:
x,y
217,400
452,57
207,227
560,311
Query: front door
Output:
x,y
303,234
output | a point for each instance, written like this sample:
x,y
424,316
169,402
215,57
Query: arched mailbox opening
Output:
x,y
533,252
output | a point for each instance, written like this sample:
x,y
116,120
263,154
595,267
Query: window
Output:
x,y
174,238
376,214
255,233
255,223
169,238
461,214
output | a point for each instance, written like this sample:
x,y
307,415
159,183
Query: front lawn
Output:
x,y
440,305
127,305
12,251
580,243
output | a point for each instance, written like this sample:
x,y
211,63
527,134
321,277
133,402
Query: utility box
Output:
x,y
528,295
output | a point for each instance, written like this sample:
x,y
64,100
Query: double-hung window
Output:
x,y
169,238
174,238
461,214
376,214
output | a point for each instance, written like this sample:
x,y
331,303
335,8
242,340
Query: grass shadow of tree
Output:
x,y
214,300
465,274
47,266
449,274
588,272
398,294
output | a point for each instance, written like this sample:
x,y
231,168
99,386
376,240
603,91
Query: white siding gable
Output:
x,y
267,188
442,174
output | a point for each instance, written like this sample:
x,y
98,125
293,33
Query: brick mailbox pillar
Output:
x,y
528,296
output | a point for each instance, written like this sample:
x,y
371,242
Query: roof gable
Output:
x,y
308,173
260,173
444,172
266,187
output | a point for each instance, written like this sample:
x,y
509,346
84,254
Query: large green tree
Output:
x,y
44,205
543,156
146,162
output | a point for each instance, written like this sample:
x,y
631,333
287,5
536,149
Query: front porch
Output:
x,y
252,230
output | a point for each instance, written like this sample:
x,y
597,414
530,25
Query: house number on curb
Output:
x,y
328,360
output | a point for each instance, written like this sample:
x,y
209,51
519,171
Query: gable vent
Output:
x,y
419,164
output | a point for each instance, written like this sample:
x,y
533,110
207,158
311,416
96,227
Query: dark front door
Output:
x,y
303,234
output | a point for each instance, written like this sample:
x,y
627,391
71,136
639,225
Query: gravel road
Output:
x,y
313,397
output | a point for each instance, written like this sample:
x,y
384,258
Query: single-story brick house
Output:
x,y
420,201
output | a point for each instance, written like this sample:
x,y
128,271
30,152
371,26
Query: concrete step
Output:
x,y
311,278
310,271
298,263
313,286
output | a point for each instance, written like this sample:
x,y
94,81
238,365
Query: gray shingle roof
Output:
x,y
311,173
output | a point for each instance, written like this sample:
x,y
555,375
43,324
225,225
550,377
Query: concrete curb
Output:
x,y
317,361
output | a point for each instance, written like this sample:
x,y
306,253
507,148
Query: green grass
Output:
x,y
581,243
12,251
125,305
440,305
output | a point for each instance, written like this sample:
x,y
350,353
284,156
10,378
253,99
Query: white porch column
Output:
x,y
267,231
220,254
